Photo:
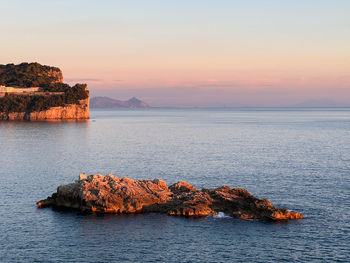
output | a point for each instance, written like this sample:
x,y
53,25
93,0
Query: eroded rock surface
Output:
x,y
78,111
109,194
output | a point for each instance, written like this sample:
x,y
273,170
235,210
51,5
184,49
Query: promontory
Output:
x,y
30,91
123,195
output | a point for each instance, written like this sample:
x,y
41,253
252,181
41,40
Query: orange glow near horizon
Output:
x,y
234,52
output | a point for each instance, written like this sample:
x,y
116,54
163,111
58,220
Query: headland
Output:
x,y
30,91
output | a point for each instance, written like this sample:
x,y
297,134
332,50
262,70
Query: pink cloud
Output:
x,y
212,81
265,81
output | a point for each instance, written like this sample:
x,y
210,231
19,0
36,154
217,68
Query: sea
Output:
x,y
296,158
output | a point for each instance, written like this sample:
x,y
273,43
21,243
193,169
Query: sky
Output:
x,y
188,52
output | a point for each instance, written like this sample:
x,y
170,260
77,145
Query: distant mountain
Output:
x,y
106,102
320,103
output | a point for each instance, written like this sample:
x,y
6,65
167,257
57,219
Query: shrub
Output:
x,y
25,103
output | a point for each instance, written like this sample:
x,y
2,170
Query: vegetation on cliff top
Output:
x,y
29,75
19,103
34,74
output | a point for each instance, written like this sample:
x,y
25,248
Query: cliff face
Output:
x,y
116,195
71,111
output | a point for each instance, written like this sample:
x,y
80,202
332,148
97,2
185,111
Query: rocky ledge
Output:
x,y
79,111
116,195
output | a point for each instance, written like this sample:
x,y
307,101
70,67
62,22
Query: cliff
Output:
x,y
48,98
77,111
109,194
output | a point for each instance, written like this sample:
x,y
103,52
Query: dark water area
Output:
x,y
296,158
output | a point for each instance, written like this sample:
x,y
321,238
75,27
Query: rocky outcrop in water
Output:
x,y
109,194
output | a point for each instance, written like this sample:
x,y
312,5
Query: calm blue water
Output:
x,y
299,159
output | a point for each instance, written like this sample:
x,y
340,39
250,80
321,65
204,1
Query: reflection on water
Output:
x,y
298,159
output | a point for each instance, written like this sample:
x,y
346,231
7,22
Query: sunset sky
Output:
x,y
188,52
